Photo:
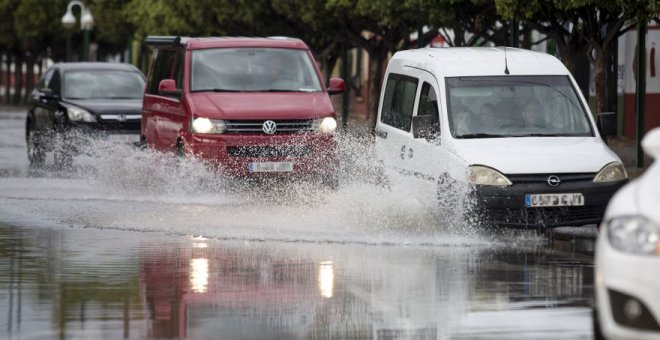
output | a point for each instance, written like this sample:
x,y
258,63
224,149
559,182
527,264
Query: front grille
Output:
x,y
269,151
256,126
549,217
543,178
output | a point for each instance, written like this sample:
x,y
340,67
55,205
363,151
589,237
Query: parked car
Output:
x,y
510,124
627,257
254,107
74,101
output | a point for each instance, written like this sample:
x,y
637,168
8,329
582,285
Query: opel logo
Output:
x,y
553,181
269,127
121,118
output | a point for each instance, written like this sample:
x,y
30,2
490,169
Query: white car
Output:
x,y
627,279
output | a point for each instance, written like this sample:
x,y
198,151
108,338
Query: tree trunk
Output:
x,y
18,76
377,57
8,80
601,67
29,81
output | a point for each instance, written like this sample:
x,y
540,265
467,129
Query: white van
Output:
x,y
509,123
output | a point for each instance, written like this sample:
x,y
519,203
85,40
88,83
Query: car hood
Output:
x,y
101,106
259,105
526,155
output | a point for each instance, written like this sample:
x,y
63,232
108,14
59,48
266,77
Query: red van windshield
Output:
x,y
253,70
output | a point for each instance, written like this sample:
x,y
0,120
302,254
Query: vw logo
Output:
x,y
121,118
553,181
269,127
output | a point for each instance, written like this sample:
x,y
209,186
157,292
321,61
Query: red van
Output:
x,y
251,106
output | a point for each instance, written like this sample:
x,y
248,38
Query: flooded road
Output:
x,y
133,244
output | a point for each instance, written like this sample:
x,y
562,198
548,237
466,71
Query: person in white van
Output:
x,y
510,124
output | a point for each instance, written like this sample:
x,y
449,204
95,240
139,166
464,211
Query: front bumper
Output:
x,y
505,206
311,154
620,277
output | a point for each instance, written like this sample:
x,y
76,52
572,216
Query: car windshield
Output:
x,y
515,106
103,84
253,70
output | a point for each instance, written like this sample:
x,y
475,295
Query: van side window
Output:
x,y
428,102
55,83
398,101
45,80
161,69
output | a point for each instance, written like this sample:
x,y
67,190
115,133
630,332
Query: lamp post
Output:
x,y
86,24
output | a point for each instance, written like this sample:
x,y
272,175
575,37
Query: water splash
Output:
x,y
147,190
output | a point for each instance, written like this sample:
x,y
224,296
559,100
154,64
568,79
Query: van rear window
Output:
x,y
515,106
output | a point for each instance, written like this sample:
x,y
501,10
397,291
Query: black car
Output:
x,y
82,101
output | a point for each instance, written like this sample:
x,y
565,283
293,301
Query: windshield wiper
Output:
x,y
223,90
540,135
481,135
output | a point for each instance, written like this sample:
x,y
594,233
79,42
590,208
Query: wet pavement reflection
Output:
x,y
91,283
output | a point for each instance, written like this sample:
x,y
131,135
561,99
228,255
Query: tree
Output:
x,y
583,24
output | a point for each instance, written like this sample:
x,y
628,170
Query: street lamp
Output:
x,y
86,24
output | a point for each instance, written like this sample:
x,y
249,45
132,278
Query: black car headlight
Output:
x,y
78,114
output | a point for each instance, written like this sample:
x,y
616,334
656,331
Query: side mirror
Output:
x,y
425,126
336,86
167,87
651,143
47,94
606,123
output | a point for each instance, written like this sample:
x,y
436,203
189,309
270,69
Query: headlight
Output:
x,y
325,125
612,172
482,175
205,125
634,234
77,114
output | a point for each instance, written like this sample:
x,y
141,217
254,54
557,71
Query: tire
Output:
x,y
63,158
64,151
331,181
35,150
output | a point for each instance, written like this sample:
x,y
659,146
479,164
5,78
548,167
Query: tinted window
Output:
x,y
398,101
253,70
89,84
428,101
55,83
45,80
163,68
515,106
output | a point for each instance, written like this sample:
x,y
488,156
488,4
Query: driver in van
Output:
x,y
532,116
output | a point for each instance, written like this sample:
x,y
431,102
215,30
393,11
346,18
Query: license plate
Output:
x,y
119,138
270,167
553,200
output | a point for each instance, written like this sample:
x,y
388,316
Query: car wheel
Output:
x,y
331,181
35,150
63,156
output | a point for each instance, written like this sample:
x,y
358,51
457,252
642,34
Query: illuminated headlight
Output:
x,y
77,114
325,125
634,235
483,175
205,125
612,172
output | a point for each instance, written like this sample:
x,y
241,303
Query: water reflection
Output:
x,y
85,283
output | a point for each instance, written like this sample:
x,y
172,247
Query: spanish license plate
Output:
x,y
270,167
554,200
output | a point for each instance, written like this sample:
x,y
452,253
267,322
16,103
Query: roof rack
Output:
x,y
165,40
